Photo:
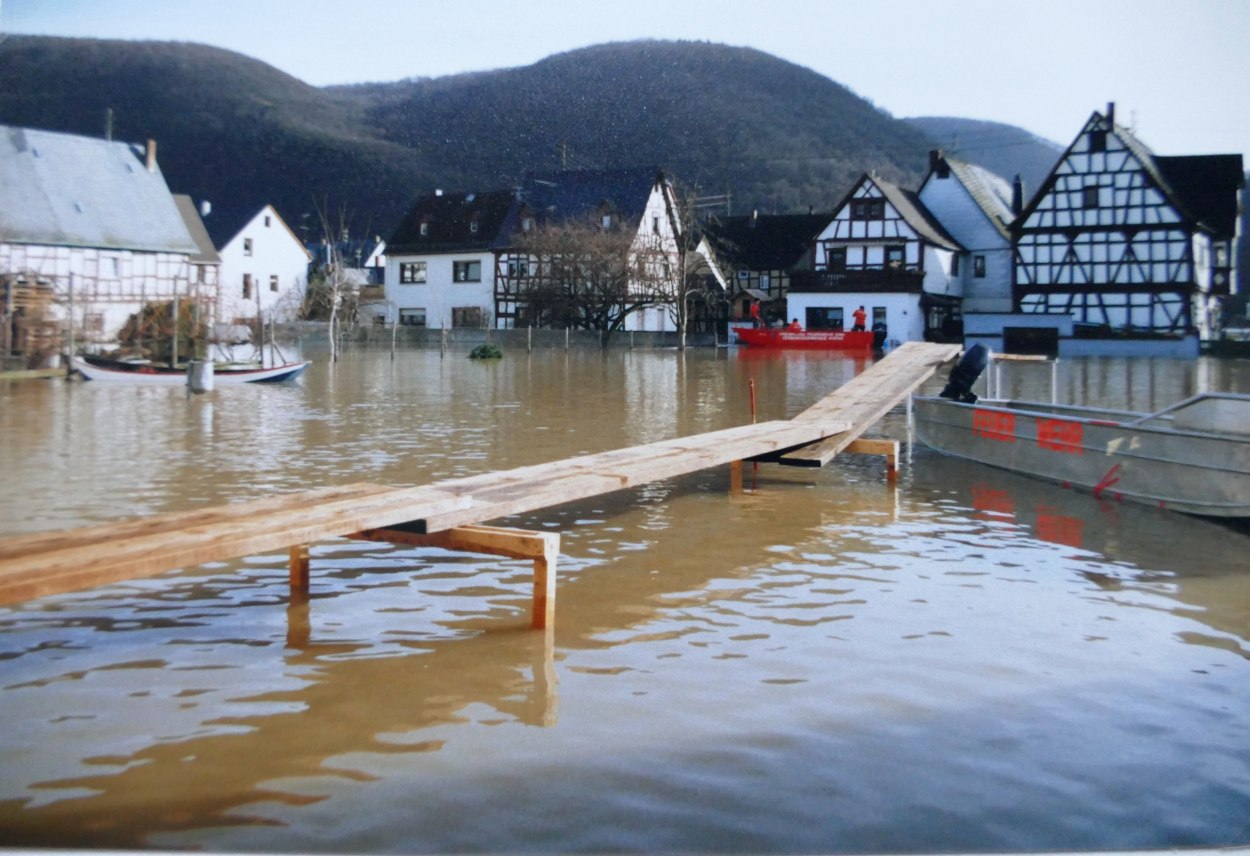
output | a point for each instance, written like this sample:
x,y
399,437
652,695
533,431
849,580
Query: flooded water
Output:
x,y
964,661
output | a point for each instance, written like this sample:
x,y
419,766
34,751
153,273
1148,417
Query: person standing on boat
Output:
x,y
755,314
859,317
795,326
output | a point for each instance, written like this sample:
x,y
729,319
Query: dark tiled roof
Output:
x,y
1205,186
468,222
771,242
565,196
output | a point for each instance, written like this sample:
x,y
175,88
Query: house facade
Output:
x,y
264,269
90,226
884,251
1131,252
459,260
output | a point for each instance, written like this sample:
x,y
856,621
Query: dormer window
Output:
x,y
425,228
527,224
867,209
473,226
606,222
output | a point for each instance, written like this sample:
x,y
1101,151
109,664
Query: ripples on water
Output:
x,y
821,663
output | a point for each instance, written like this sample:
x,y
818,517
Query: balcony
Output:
x,y
865,281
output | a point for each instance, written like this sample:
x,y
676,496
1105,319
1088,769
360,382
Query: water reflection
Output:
x,y
818,661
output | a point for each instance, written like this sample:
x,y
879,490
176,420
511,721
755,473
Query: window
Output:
x,y
894,257
247,246
425,228
518,267
978,267
655,225
878,317
527,224
955,264
1089,196
266,221
473,226
273,282
411,273
824,318
466,271
837,259
466,316
867,209
247,286
1097,141
412,317
606,222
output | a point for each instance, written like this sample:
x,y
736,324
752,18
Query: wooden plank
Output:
x,y
88,562
869,396
529,488
873,446
106,533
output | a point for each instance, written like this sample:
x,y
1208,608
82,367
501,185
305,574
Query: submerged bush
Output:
x,y
486,352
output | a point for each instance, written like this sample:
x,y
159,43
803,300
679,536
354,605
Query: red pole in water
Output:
x,y
751,385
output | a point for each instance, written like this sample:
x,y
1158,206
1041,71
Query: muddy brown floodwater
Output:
x,y
967,660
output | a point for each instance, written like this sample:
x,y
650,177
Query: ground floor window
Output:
x,y
824,318
466,316
412,317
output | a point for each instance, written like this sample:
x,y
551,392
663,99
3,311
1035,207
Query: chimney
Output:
x,y
151,155
935,155
1110,115
1017,195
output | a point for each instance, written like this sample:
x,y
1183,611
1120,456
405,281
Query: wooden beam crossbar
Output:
x,y
542,547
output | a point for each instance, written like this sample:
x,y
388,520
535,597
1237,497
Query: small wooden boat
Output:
x,y
1193,456
766,337
136,371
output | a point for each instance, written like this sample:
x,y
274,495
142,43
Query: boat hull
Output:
x,y
833,340
1116,455
113,371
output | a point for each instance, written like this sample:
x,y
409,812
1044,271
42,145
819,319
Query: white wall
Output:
x,y
275,252
903,318
439,294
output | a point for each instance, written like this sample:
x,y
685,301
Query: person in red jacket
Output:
x,y
859,316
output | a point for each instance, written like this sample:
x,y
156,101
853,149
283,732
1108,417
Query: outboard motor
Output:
x,y
965,374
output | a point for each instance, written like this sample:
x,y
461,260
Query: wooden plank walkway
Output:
x,y
49,563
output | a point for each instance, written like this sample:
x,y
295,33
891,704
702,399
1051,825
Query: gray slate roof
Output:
x,y
988,190
66,190
908,205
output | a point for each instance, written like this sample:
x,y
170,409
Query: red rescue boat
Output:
x,y
841,340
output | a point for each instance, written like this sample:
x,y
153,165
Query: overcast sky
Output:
x,y
1178,70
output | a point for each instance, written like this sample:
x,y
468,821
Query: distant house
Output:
x,y
758,253
92,225
457,260
1124,251
264,267
885,251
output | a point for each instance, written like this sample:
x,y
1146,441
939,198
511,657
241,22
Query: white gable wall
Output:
x,y
271,259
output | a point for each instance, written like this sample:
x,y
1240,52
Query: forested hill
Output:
x,y
775,136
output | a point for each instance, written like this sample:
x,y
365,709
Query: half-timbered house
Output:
x,y
759,252
884,251
92,223
1133,250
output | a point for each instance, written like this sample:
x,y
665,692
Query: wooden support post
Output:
x,y
300,564
735,476
542,547
872,446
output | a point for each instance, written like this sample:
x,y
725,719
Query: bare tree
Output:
x,y
584,277
332,288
